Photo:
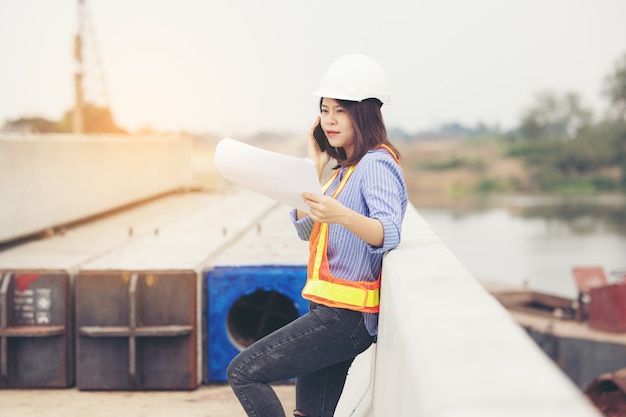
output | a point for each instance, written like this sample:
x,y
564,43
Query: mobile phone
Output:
x,y
320,138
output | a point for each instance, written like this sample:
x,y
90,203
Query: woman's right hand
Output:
x,y
320,158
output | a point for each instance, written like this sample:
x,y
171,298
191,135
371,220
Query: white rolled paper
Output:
x,y
281,177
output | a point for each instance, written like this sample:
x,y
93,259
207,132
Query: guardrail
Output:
x,y
446,347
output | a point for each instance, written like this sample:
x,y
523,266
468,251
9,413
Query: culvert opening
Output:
x,y
258,314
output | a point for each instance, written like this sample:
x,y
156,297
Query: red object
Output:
x,y
23,281
588,277
607,308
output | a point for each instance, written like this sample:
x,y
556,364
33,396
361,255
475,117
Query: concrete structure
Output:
x,y
447,348
68,251
51,180
178,232
189,245
193,241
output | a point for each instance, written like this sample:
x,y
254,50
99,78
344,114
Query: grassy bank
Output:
x,y
451,171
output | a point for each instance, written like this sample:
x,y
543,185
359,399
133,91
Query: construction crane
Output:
x,y
89,80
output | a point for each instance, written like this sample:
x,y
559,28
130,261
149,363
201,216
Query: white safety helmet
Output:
x,y
354,77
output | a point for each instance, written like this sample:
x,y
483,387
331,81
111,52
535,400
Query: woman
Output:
x,y
350,228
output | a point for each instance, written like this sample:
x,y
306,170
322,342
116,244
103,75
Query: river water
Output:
x,y
536,240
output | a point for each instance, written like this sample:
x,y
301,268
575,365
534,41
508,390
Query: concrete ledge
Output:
x,y
447,348
50,180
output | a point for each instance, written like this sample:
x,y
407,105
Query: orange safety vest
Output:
x,y
324,288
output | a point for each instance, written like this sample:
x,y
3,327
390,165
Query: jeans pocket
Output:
x,y
361,338
324,314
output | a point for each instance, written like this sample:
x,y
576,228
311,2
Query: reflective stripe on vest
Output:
x,y
321,286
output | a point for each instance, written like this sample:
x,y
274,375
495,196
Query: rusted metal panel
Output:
x,y
35,329
608,393
588,277
607,308
136,330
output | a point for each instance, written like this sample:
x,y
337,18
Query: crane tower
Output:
x,y
89,80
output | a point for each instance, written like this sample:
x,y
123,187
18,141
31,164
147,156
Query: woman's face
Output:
x,y
337,125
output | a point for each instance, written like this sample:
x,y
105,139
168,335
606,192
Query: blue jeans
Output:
x,y
317,349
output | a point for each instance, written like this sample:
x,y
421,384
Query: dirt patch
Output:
x,y
449,169
206,401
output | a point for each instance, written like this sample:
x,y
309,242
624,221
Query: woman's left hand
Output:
x,y
324,209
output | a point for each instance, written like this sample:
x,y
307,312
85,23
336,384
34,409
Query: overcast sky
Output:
x,y
239,66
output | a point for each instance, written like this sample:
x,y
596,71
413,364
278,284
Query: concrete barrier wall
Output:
x,y
446,347
49,180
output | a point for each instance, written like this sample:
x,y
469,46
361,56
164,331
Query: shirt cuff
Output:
x,y
304,226
391,237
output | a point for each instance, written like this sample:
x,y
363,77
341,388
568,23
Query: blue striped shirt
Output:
x,y
377,190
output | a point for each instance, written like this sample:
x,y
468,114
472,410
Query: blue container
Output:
x,y
246,303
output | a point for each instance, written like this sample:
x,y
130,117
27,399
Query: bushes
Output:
x,y
454,163
576,165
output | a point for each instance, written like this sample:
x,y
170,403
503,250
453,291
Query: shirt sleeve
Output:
x,y
385,195
304,226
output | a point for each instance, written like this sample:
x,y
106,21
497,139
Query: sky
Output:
x,y
242,66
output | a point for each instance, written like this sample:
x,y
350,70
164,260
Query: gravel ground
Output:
x,y
206,401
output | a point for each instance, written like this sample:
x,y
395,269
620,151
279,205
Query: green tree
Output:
x,y
615,90
554,116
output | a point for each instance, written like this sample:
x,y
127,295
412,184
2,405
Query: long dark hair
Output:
x,y
369,130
